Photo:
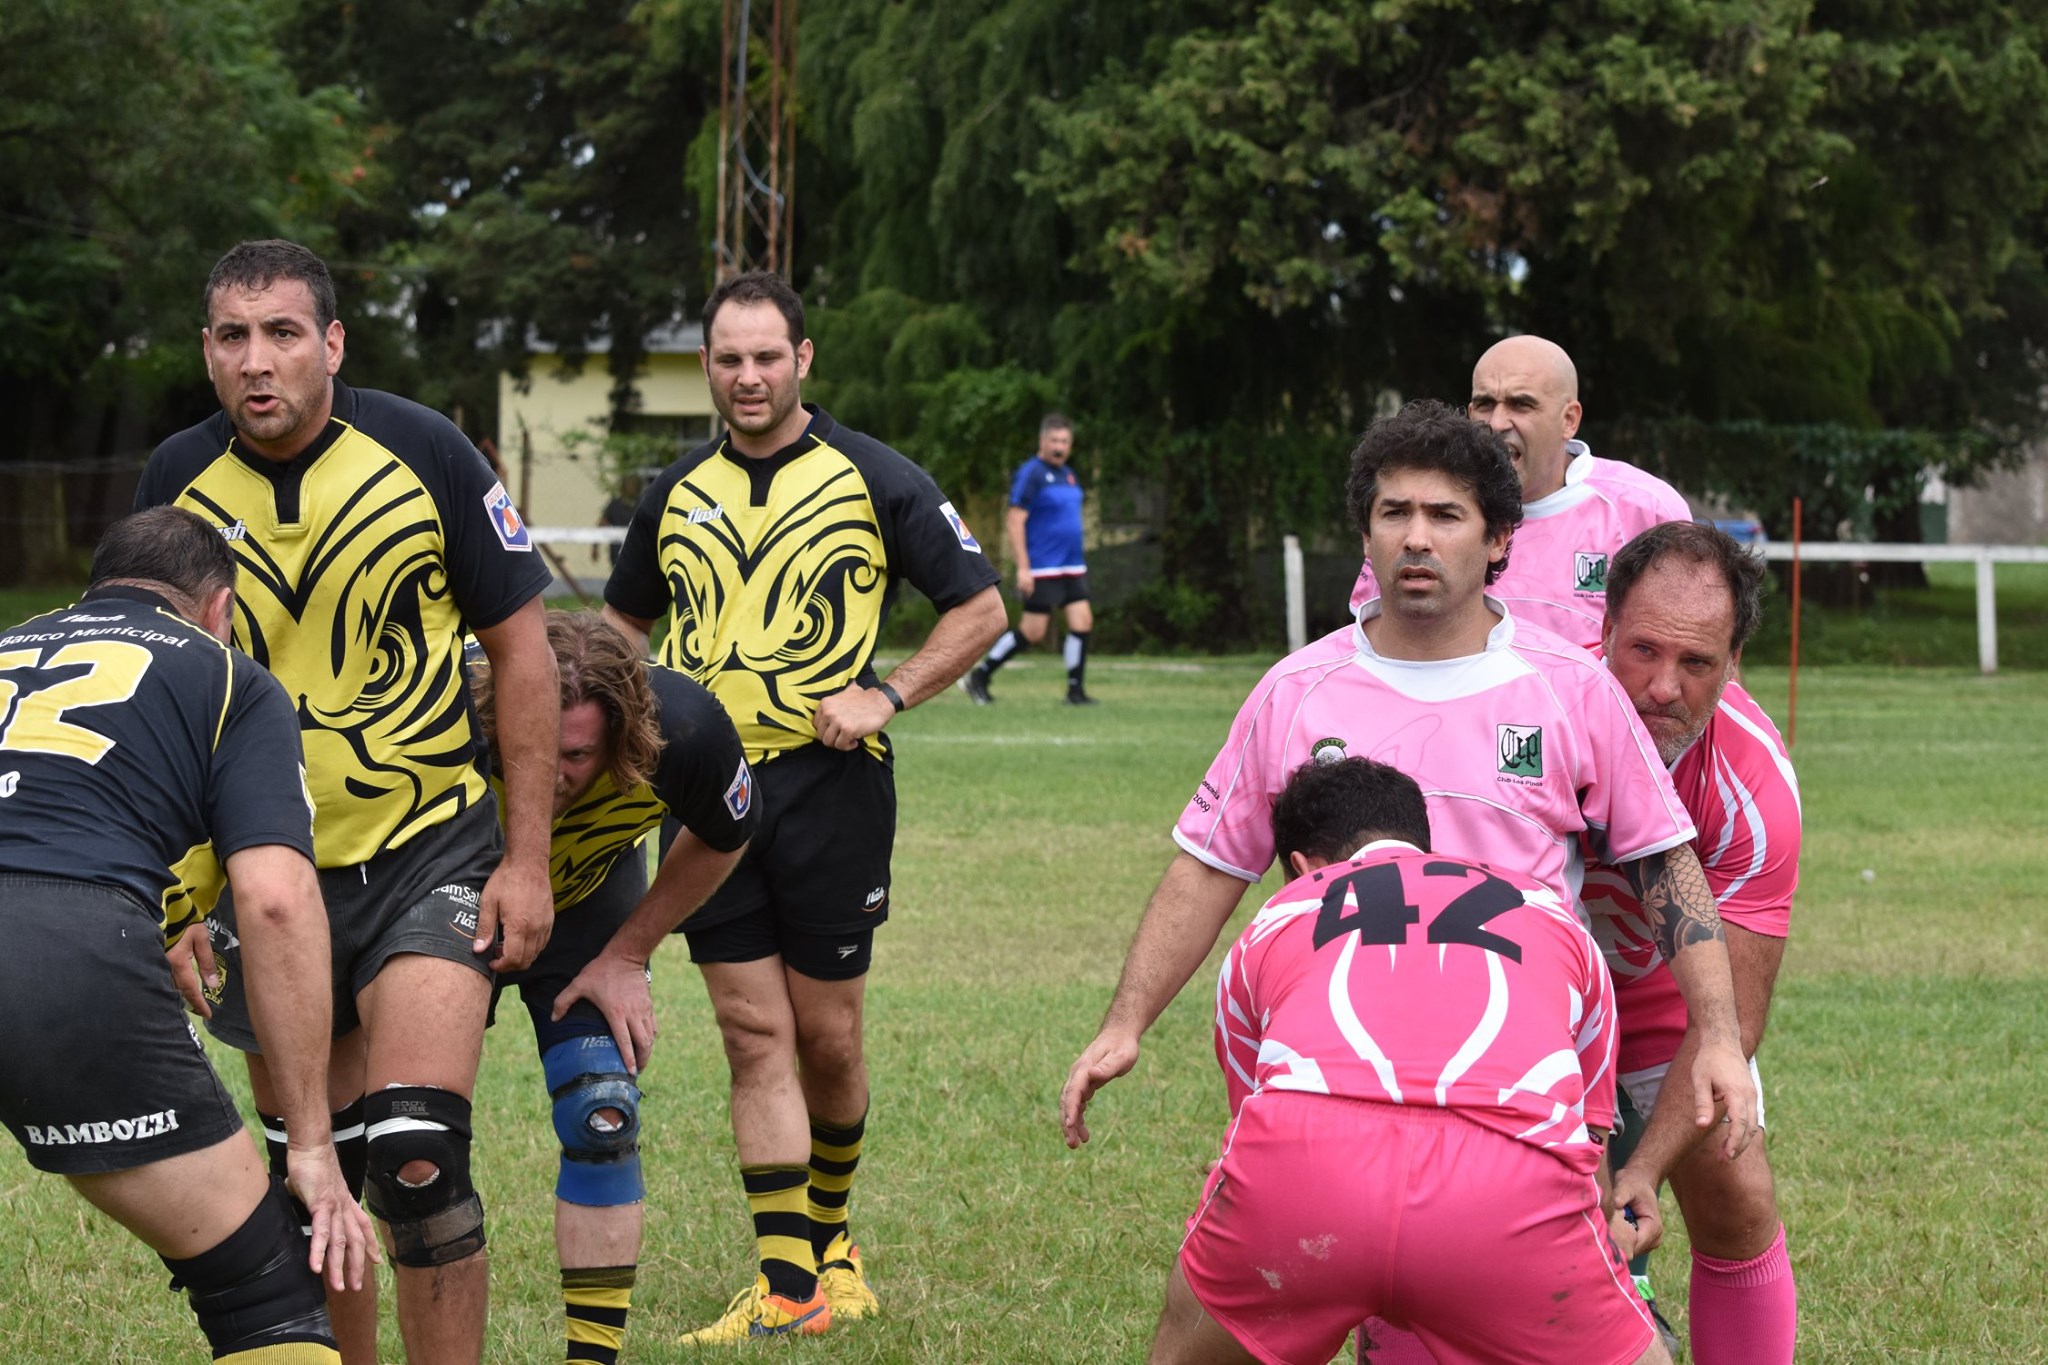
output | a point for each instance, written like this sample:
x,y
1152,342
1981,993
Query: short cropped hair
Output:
x,y
1434,436
1693,543
1054,421
594,663
166,545
1329,810
759,286
258,265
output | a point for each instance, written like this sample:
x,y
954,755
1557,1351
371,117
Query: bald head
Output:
x,y
1527,389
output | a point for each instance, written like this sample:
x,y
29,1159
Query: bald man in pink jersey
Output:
x,y
1682,600
1419,1055
1577,509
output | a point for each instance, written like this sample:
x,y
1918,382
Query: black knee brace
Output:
x,y
255,1289
442,1218
351,1148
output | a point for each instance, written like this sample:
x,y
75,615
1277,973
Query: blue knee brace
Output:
x,y
600,1159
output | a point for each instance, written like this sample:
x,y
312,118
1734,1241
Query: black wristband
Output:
x,y
895,699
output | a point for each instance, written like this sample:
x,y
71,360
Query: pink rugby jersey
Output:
x,y
1738,783
1557,563
1519,750
1405,977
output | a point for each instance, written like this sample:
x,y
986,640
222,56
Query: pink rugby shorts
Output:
x,y
1328,1211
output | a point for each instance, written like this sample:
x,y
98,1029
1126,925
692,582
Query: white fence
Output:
x,y
1816,552
1819,552
1983,556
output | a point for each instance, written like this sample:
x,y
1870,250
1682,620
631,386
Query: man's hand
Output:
x,y
1721,1082
519,901
1024,583
846,718
1111,1055
1635,1194
192,967
619,989
342,1239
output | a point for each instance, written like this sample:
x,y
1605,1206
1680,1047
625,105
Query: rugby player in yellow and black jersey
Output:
x,y
773,554
641,745
370,535
141,761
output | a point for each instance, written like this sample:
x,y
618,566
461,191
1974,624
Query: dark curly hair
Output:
x,y
1327,810
1435,436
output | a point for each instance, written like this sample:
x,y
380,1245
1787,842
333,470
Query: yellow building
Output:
x,y
559,483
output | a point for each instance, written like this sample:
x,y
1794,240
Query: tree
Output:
x,y
533,166
117,193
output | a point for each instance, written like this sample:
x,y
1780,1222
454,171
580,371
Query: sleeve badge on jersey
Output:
x,y
967,540
740,795
505,520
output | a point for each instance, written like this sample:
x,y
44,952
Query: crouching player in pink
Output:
x,y
1419,1053
1682,599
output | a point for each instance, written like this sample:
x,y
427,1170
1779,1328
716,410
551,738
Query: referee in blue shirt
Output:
x,y
1044,528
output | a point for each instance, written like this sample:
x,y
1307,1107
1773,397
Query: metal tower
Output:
x,y
756,138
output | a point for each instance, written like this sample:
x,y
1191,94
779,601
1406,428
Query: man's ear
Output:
x,y
217,615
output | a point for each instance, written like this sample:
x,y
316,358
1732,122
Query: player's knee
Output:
x,y
597,1118
254,1290
755,1040
418,1174
1730,1208
831,1052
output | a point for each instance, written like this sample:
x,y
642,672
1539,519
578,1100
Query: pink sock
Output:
x,y
1392,1346
1744,1312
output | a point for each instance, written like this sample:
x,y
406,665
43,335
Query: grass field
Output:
x,y
1904,1063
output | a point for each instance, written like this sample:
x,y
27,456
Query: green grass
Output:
x,y
1906,1094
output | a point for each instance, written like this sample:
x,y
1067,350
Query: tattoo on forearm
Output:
x,y
1676,901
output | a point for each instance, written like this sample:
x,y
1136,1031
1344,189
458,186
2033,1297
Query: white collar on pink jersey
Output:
x,y
1500,637
1575,489
1377,845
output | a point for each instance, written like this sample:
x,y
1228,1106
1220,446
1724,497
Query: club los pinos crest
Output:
x,y
1521,750
1589,571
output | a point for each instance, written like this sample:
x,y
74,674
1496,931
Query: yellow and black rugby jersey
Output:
x,y
702,780
137,751
363,560
776,574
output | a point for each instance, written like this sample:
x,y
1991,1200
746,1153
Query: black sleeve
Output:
x,y
703,777
637,587
494,568
256,784
179,459
927,543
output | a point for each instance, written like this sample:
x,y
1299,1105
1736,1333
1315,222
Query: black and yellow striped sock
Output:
x,y
283,1353
775,1194
595,1301
835,1155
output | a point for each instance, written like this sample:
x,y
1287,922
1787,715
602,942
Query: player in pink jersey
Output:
x,y
1682,601
1419,1054
1521,741
1577,510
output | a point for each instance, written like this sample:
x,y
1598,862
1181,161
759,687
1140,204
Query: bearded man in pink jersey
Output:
x,y
1419,1055
1577,509
1682,600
